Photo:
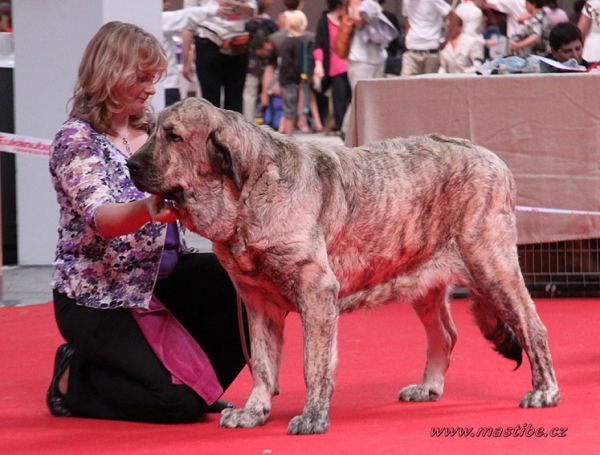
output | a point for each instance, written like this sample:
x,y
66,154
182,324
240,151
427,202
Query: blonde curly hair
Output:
x,y
296,23
112,62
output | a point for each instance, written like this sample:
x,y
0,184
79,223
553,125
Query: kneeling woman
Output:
x,y
151,328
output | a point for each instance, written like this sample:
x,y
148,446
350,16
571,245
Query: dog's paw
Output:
x,y
541,398
418,393
309,424
242,418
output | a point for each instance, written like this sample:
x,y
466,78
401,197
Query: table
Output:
x,y
546,127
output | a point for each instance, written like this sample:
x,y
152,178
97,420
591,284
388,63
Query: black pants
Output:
x,y
216,70
115,374
341,95
172,96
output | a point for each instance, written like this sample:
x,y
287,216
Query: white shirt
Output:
x,y
362,49
591,44
426,19
513,9
219,25
460,59
173,23
471,16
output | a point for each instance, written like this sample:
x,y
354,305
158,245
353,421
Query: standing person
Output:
x,y
220,67
535,33
513,9
471,14
263,60
291,68
173,24
277,38
366,59
395,49
590,30
425,36
329,66
151,328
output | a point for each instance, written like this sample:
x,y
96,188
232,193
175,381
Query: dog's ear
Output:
x,y
224,154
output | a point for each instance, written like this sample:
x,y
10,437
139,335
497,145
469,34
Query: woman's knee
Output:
x,y
179,404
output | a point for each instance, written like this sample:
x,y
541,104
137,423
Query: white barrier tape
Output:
x,y
521,208
13,143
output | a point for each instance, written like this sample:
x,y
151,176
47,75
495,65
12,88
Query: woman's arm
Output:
x,y
354,6
529,41
114,220
584,24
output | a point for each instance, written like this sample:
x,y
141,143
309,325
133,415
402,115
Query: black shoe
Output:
x,y
219,405
55,400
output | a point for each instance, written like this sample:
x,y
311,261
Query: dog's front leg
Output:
x,y
319,316
434,313
266,332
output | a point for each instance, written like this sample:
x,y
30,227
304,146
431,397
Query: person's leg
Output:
x,y
172,96
289,94
378,70
301,117
209,70
314,110
410,64
356,71
250,96
114,374
340,95
233,80
431,63
201,296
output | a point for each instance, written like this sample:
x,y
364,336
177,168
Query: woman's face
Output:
x,y
137,93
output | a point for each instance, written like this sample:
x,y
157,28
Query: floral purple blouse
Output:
x,y
87,172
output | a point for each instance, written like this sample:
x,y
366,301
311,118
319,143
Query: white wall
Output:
x,y
50,37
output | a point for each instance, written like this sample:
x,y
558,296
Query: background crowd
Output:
x,y
271,75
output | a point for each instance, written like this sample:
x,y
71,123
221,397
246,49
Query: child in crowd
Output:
x,y
534,38
292,53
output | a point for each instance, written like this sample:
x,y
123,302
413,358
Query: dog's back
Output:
x,y
405,206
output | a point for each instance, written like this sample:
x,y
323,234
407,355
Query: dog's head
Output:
x,y
197,157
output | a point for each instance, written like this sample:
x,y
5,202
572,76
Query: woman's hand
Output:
x,y
160,210
319,70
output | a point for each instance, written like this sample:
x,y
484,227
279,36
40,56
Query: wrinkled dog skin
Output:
x,y
323,230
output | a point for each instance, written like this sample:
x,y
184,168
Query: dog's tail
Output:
x,y
498,332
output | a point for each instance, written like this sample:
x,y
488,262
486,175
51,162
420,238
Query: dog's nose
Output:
x,y
133,166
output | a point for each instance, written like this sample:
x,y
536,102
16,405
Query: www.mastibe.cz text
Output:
x,y
519,431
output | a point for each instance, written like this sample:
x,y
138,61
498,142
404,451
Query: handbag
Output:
x,y
341,42
235,43
230,43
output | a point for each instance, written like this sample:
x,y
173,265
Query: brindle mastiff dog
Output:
x,y
323,230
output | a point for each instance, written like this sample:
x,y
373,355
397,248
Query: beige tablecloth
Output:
x,y
546,127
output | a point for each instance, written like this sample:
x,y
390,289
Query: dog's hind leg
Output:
x,y
434,312
507,317
266,332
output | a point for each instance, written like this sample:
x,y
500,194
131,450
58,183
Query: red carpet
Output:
x,y
380,352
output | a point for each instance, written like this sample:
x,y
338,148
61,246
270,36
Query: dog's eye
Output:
x,y
172,137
